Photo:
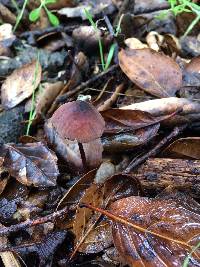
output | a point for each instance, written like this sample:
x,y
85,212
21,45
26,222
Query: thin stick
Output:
x,y
135,162
81,87
29,223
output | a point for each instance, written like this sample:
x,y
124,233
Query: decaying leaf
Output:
x,y
193,65
188,147
118,120
164,106
127,141
134,43
20,84
90,237
31,164
6,38
45,96
155,73
176,228
8,258
46,248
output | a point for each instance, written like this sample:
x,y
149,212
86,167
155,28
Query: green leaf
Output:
x,y
35,14
53,19
110,56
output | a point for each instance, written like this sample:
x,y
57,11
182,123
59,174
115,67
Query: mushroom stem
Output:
x,y
83,157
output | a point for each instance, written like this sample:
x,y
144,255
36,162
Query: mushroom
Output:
x,y
80,124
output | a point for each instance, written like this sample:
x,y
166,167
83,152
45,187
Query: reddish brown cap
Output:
x,y
78,120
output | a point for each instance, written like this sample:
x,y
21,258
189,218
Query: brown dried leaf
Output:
x,y
31,164
72,197
118,120
20,84
92,238
191,78
193,65
127,141
45,96
165,106
155,73
179,223
184,148
6,39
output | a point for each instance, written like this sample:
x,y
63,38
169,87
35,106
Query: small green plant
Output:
x,y
187,259
32,113
105,65
35,13
20,15
180,6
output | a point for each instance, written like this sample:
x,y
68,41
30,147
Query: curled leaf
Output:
x,y
32,164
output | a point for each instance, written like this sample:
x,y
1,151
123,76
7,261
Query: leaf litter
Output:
x,y
109,173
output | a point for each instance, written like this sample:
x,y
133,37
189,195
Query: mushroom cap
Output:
x,y
78,120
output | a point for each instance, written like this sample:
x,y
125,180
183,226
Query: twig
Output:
x,y
81,87
32,36
135,162
29,223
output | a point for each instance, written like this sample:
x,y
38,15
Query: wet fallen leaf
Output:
x,y
128,141
72,197
193,65
13,195
155,73
31,164
134,43
45,96
20,84
188,147
164,106
90,237
156,232
191,76
6,38
118,120
46,248
95,7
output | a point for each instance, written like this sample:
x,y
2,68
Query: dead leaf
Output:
x,y
191,78
164,106
154,40
72,198
188,147
92,238
134,43
128,141
193,65
20,84
118,120
46,248
6,38
155,73
156,232
31,164
95,7
45,96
